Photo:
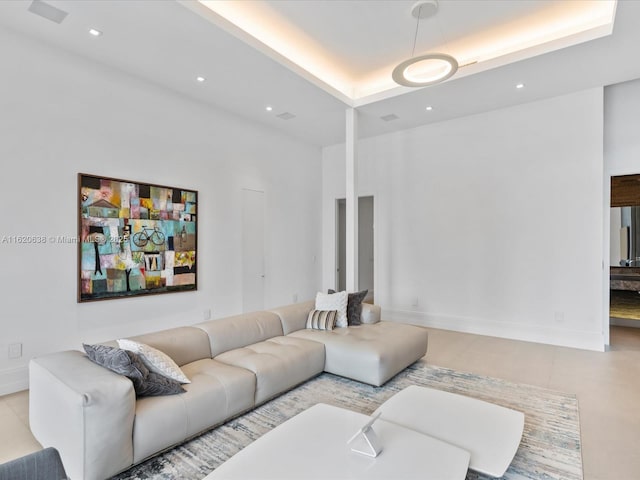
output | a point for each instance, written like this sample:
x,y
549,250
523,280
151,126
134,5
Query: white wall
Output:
x,y
622,127
60,115
492,222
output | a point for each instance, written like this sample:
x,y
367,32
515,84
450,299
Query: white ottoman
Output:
x,y
490,433
313,445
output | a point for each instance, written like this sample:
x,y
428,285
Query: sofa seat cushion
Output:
x,y
217,392
279,363
369,353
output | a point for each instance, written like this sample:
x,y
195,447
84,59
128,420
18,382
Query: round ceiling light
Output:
x,y
425,70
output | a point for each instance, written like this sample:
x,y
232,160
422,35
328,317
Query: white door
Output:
x,y
253,274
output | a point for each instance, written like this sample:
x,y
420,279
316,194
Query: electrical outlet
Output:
x,y
206,315
295,298
15,350
414,302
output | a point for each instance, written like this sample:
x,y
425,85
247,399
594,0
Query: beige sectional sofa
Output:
x,y
92,417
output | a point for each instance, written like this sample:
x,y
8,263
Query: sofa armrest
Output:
x,y
83,410
370,313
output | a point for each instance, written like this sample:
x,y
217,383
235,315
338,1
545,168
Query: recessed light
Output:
x,y
200,79
94,32
269,108
520,85
429,108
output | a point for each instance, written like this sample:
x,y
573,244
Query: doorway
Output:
x,y
365,244
624,274
253,271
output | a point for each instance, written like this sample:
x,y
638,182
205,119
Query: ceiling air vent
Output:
x,y
47,11
390,117
286,116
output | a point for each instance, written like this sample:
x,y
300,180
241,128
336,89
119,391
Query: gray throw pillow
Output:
x,y
354,306
155,384
116,360
129,364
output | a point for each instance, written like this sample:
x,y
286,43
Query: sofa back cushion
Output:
x,y
241,330
183,344
294,317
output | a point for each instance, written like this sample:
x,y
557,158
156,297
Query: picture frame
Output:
x,y
135,238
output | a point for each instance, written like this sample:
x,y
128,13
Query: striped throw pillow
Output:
x,y
322,319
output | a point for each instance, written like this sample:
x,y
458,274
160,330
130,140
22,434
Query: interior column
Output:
x,y
351,200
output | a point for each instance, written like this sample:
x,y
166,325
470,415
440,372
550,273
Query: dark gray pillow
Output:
x,y
155,384
116,360
129,364
354,306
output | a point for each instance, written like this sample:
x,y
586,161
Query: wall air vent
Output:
x,y
286,116
47,11
390,117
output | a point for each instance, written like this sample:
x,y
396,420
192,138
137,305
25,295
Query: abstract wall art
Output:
x,y
134,238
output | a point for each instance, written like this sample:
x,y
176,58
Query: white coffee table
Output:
x,y
313,445
491,433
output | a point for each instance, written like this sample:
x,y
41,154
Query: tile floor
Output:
x,y
607,385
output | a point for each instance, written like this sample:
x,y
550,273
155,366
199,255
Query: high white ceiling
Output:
x,y
167,44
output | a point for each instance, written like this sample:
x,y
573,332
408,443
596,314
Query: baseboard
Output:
x,y
528,333
14,380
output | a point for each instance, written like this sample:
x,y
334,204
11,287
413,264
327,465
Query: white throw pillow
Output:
x,y
334,301
155,360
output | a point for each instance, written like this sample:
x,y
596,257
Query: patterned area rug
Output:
x,y
550,447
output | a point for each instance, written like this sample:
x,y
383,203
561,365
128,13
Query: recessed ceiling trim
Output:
x,y
559,32
473,67
202,10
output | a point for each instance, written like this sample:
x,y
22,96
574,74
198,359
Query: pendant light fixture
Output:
x,y
427,69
